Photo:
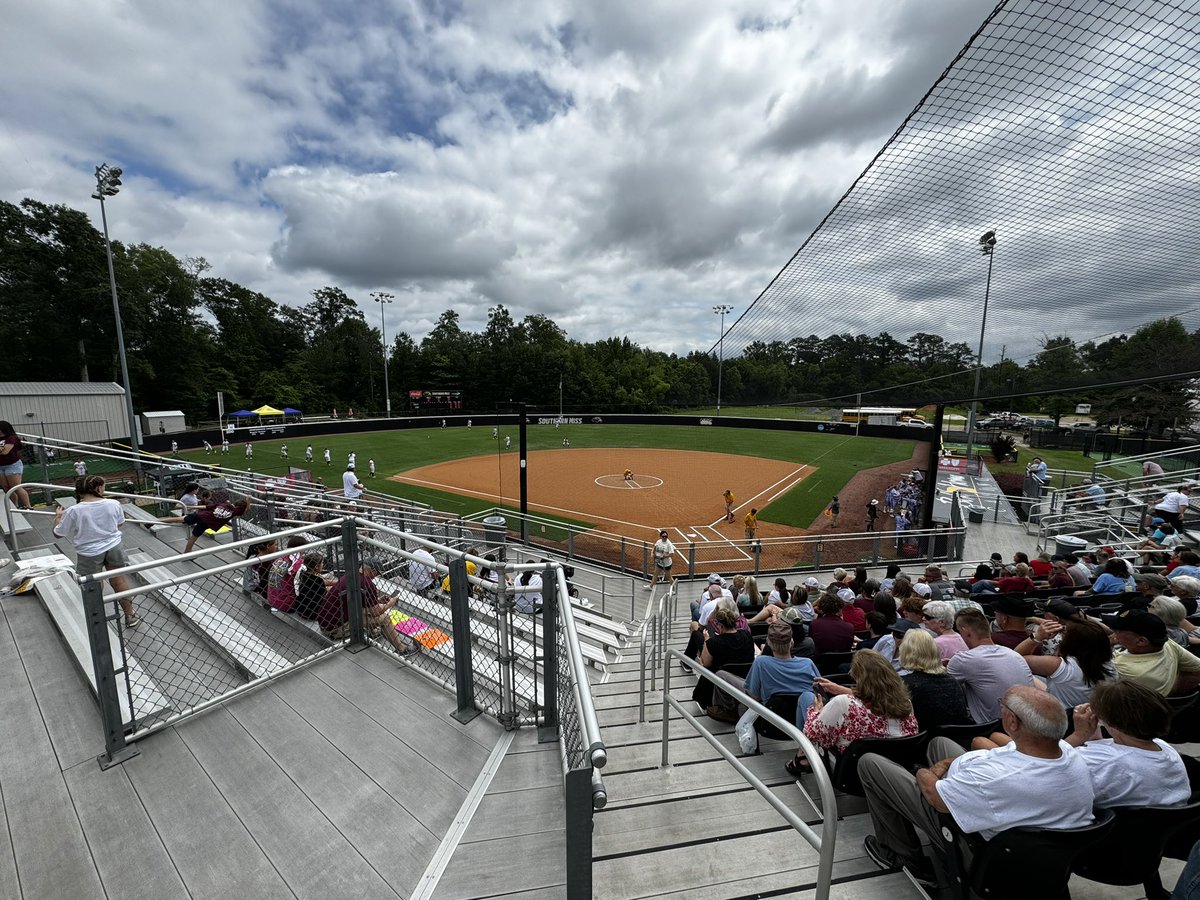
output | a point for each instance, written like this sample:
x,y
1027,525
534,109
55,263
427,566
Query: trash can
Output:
x,y
1069,543
975,516
495,533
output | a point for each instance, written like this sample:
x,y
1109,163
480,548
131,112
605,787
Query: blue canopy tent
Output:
x,y
242,413
288,411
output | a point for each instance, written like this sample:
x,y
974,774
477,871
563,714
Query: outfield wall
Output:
x,y
301,431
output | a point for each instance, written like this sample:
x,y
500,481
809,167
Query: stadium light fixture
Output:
x,y
383,298
108,184
987,243
721,310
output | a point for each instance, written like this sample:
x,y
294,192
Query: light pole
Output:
x,y
721,310
383,298
987,243
108,183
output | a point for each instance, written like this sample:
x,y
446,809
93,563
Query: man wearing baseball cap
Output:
x,y
775,673
1149,658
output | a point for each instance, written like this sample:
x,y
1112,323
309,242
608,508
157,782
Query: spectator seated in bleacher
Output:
x,y
311,584
750,596
254,578
1174,616
1186,590
776,672
1010,614
1135,766
1037,780
983,581
851,613
1040,568
937,698
1114,579
829,631
938,618
723,644
889,645
878,625
885,605
1148,658
1156,549
527,597
985,670
1018,582
471,570
1084,659
1060,576
281,577
334,613
422,571
878,706
1189,565
707,596
940,587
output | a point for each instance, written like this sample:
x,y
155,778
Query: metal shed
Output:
x,y
165,422
84,411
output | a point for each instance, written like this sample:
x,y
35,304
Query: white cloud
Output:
x,y
619,167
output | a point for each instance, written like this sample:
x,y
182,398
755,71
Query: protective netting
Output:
x,y
1070,127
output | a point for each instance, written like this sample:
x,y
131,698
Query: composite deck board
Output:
x,y
347,794
533,811
52,858
66,703
132,860
9,883
216,855
429,794
314,858
497,867
425,734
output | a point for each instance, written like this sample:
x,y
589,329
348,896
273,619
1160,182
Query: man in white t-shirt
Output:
x,y
1174,505
985,669
1037,780
351,486
422,571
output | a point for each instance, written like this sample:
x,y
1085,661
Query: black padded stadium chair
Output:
x,y
1024,863
904,751
1132,852
831,663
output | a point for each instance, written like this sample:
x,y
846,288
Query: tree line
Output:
x,y
190,334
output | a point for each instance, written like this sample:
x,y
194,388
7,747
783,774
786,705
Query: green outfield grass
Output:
x,y
836,457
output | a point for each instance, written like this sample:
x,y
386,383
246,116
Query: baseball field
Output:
x,y
679,472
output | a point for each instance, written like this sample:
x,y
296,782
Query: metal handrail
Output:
x,y
824,843
597,752
62,488
654,620
1142,457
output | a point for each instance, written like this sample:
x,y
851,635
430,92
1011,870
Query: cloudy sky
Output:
x,y
619,166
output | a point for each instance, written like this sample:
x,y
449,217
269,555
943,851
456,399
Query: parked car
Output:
x,y
1041,423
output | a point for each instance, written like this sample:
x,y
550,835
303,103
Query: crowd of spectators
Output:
x,y
1040,652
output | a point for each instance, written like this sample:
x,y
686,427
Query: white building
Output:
x,y
165,422
69,410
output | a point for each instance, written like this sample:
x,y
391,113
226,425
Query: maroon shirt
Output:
x,y
831,634
1009,639
1012,584
334,611
217,516
14,452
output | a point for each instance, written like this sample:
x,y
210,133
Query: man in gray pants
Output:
x,y
1037,780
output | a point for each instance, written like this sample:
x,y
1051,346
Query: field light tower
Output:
x,y
108,183
987,243
721,310
383,298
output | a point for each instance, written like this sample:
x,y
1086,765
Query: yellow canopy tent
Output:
x,y
267,410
